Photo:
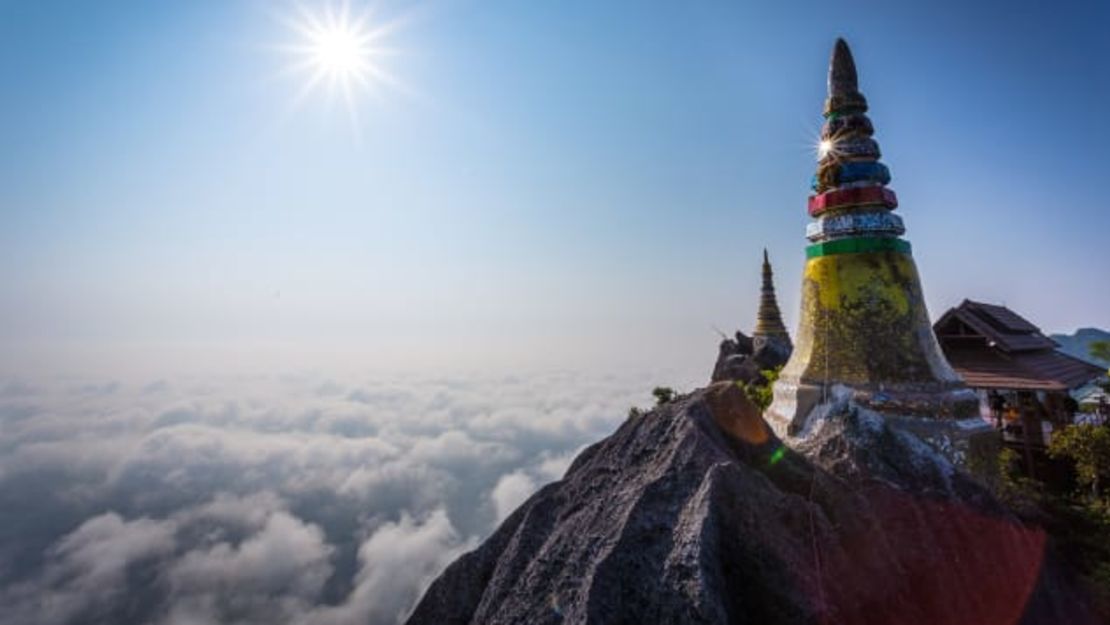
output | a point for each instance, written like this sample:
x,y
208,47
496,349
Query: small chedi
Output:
x,y
743,358
864,335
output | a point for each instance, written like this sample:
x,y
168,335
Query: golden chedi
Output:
x,y
864,333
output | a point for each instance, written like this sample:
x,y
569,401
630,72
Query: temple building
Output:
x,y
1022,379
744,358
864,334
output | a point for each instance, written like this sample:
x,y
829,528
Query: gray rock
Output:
x,y
695,513
771,351
743,359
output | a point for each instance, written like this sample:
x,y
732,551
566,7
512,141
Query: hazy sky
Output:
x,y
545,182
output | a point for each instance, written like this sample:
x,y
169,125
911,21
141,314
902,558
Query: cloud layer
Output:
x,y
266,499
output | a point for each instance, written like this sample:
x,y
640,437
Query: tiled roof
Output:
x,y
1045,370
991,346
1008,330
1002,317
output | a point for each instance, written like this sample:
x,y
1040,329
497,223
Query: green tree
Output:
x,y
1088,446
1100,350
761,393
663,394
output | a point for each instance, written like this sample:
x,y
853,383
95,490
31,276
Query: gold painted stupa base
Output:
x,y
866,338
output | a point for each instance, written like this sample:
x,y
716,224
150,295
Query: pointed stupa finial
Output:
x,y
768,279
842,69
844,92
768,320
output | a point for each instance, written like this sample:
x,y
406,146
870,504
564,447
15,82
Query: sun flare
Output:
x,y
340,54
339,51
823,148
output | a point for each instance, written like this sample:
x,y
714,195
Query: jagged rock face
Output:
x,y
743,359
695,513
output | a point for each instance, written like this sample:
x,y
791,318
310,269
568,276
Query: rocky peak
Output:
x,y
695,512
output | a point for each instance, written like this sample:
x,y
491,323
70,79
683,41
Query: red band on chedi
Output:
x,y
850,198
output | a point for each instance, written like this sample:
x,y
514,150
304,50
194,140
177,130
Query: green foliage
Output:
x,y
1078,522
1082,531
1088,446
999,469
1013,486
1098,581
1007,460
1100,350
663,394
634,412
761,393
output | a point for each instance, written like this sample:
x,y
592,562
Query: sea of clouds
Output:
x,y
302,499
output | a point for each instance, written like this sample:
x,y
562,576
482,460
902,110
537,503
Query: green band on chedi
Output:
x,y
858,245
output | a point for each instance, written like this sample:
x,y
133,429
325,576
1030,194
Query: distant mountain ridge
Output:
x,y
1079,344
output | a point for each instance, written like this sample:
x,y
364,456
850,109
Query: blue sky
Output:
x,y
550,182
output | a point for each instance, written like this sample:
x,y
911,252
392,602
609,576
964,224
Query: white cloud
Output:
x,y
510,492
555,467
87,568
96,554
396,564
274,574
286,556
262,499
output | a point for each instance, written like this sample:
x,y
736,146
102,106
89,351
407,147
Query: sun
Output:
x,y
339,49
339,53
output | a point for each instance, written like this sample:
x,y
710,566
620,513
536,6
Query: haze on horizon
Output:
x,y
528,184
